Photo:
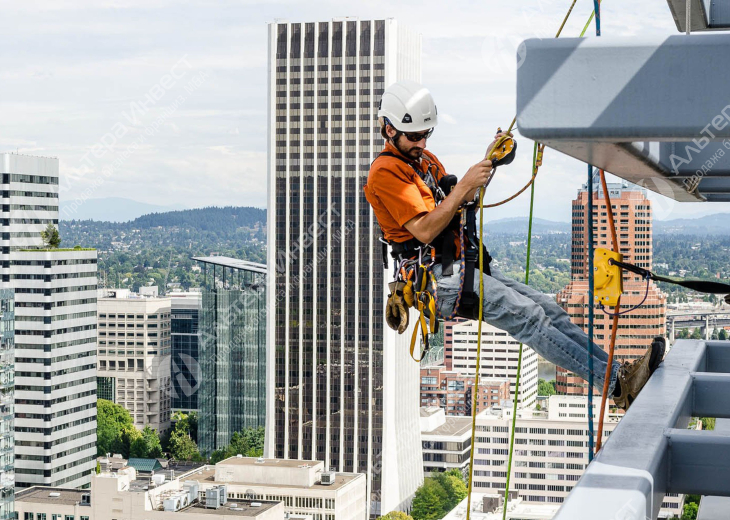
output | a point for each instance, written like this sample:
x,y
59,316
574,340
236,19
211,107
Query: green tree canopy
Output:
x,y
147,445
545,387
395,515
111,419
180,445
249,442
429,500
50,237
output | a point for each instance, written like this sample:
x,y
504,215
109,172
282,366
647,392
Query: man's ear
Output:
x,y
390,131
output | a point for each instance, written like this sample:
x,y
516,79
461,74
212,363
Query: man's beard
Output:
x,y
413,153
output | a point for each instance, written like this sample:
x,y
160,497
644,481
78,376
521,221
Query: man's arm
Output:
x,y
427,227
470,196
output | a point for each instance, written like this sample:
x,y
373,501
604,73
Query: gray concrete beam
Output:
x,y
706,15
652,111
711,395
629,477
699,462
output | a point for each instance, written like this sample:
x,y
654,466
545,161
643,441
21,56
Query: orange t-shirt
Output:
x,y
397,194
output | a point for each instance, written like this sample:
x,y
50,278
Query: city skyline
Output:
x,y
215,133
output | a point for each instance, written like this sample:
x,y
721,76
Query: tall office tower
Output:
x,y
500,353
55,366
55,331
134,357
232,353
7,404
185,368
632,213
342,388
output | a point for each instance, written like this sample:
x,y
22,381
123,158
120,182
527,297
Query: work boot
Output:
x,y
633,376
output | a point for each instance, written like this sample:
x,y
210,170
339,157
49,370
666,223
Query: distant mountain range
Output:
x,y
117,209
109,209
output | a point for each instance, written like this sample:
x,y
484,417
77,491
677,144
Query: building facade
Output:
x,y
7,403
134,357
55,366
343,389
446,441
500,353
454,392
232,353
551,451
632,213
185,369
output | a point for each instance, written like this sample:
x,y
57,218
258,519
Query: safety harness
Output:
x,y
415,260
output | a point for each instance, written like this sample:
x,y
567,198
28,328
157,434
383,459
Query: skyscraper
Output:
x,y
55,331
7,404
632,213
342,388
232,353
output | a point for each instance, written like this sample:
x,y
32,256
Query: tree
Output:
x,y
147,445
455,489
696,334
690,511
545,387
180,445
722,335
395,515
249,442
111,419
50,237
428,501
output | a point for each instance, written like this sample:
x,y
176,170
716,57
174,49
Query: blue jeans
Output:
x,y
532,318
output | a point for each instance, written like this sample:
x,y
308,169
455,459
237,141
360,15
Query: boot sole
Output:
x,y
658,347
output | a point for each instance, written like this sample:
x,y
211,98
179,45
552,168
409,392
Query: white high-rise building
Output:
x,y
342,387
55,332
500,353
134,358
551,451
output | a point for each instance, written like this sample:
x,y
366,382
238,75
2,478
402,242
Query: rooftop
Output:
x,y
207,475
234,263
252,461
233,508
42,495
453,427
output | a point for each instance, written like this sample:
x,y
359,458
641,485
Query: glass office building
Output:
x,y
185,370
7,377
232,350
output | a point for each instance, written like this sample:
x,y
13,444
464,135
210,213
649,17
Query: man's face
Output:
x,y
407,147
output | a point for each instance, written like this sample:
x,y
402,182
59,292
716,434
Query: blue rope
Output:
x,y
589,230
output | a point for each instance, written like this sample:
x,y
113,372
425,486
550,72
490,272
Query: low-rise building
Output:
x,y
262,489
446,441
550,451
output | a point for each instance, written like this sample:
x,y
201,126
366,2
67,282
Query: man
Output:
x,y
403,189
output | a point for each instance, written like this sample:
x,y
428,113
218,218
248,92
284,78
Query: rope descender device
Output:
x,y
504,150
607,278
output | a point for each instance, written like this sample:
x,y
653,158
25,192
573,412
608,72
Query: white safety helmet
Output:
x,y
408,106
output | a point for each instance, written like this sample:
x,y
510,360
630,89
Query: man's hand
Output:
x,y
477,176
496,138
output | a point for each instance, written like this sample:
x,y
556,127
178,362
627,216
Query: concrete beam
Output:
x,y
629,477
699,462
643,109
711,395
706,15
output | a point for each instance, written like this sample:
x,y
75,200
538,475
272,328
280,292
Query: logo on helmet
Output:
x,y
407,118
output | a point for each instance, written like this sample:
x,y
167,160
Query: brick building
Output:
x,y
453,391
633,217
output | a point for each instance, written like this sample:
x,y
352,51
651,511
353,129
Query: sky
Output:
x,y
164,101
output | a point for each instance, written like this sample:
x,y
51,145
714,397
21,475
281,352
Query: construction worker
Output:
x,y
417,206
